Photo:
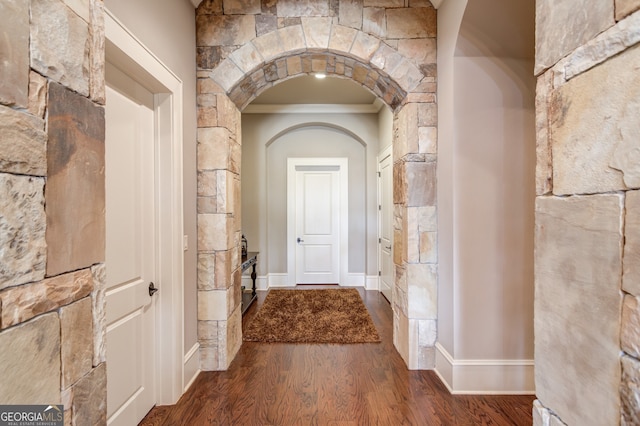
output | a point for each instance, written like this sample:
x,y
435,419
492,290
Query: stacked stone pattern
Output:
x,y
246,47
587,244
52,212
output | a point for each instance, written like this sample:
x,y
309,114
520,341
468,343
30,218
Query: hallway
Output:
x,y
360,384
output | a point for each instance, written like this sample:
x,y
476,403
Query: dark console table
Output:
x,y
249,261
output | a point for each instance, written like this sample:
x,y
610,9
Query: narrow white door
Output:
x,y
130,249
317,225
385,223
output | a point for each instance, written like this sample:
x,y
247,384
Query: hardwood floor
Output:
x,y
359,384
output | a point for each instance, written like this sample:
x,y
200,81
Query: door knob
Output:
x,y
152,289
300,240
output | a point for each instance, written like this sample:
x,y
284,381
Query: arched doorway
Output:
x,y
399,68
311,118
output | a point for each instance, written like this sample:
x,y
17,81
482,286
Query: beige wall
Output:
x,y
486,189
268,140
167,28
493,199
449,19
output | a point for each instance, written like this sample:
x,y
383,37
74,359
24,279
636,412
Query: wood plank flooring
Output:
x,y
359,384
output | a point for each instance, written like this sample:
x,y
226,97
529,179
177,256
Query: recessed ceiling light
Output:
x,y
320,75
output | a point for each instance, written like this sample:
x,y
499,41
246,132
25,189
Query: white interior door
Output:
x,y
317,224
130,249
385,223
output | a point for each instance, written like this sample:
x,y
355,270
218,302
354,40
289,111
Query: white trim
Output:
x,y
124,48
128,53
372,108
387,152
372,282
343,164
246,282
277,280
261,282
485,376
354,280
191,366
264,283
193,379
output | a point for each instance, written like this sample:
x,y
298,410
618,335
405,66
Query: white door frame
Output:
x,y
343,163
125,51
387,152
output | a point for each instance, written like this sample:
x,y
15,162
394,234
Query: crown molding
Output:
x,y
372,108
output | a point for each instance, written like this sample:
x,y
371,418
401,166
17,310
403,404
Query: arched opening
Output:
x,y
403,77
310,118
310,63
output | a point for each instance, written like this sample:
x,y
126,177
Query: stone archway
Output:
x,y
248,48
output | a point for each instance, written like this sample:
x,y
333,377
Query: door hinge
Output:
x,y
379,240
379,273
379,207
379,174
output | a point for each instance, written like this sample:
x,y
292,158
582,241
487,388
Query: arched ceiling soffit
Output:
x,y
503,30
498,28
318,91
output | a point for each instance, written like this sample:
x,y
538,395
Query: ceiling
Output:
x,y
310,90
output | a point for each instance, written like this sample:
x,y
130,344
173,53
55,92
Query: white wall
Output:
x,y
167,29
267,140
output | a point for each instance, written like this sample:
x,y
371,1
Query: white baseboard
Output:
x,y
277,280
485,376
247,283
191,366
261,283
372,283
355,280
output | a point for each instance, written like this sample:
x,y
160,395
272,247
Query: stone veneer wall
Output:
x,y
246,46
587,246
52,229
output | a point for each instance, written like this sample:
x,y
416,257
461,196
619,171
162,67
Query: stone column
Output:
x,y
219,286
586,238
52,213
415,234
218,164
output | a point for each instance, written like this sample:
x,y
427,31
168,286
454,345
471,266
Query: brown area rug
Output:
x,y
312,316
